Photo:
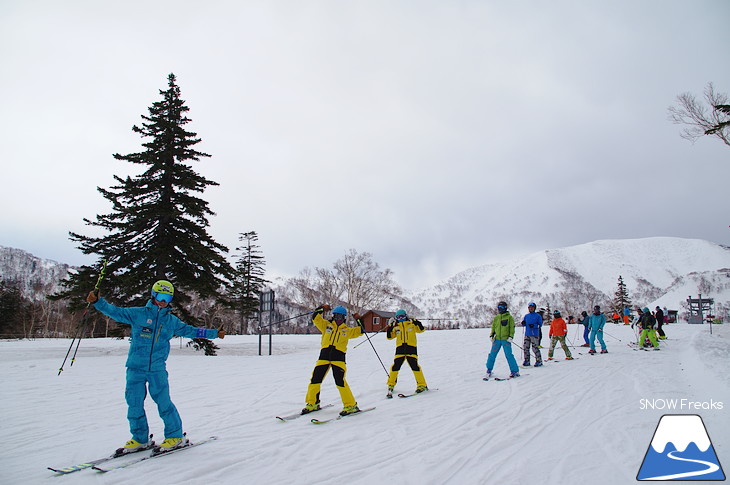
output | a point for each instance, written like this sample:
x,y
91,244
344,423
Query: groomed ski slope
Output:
x,y
567,422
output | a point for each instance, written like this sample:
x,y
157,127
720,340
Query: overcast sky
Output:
x,y
436,135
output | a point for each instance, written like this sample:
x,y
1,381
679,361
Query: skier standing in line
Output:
x,y
335,336
647,322
596,322
404,330
502,333
659,315
152,327
583,320
627,315
532,323
558,331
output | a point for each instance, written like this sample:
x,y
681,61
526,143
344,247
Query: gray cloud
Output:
x,y
437,136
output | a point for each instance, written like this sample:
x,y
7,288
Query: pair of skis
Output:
x,y
291,417
340,416
99,464
294,416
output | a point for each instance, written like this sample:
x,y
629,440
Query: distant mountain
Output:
x,y
660,271
35,277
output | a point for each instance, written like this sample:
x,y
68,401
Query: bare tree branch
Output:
x,y
710,117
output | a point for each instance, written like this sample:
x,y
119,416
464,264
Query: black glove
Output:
x,y
319,311
418,324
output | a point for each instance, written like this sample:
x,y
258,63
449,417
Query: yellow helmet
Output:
x,y
162,291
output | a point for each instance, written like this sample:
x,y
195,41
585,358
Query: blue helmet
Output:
x,y
339,310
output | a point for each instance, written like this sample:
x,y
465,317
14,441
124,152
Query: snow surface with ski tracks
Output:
x,y
581,421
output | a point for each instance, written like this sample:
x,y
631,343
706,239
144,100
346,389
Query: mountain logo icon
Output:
x,y
681,450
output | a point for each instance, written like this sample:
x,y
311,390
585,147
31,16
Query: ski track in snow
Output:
x,y
562,424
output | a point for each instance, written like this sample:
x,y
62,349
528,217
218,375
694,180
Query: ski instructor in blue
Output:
x,y
152,328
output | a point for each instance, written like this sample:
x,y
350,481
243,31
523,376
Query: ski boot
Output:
x,y
538,364
526,363
420,389
349,410
514,374
569,358
310,408
592,351
133,446
170,444
604,351
390,392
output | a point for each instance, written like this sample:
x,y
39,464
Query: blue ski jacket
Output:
x,y
596,322
152,329
532,322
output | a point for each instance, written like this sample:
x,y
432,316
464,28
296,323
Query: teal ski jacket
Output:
x,y
152,329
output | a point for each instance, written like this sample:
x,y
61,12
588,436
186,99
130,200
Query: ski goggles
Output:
x,y
162,296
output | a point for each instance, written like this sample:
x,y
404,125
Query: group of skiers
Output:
x,y
152,327
335,336
503,332
650,326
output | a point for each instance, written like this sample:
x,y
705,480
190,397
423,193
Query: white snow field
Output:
x,y
584,421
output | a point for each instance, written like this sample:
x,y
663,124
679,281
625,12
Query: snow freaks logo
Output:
x,y
681,450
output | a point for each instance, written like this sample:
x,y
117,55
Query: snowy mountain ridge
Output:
x,y
34,276
660,271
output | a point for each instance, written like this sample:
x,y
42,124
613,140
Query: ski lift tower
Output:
x,y
698,307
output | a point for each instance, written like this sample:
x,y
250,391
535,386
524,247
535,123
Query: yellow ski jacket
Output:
x,y
405,334
334,337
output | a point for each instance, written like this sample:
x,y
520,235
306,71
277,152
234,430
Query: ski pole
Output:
x,y
577,332
356,346
292,318
82,324
371,344
523,340
612,336
523,350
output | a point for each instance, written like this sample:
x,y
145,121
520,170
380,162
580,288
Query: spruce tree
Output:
x,y
157,228
248,280
621,297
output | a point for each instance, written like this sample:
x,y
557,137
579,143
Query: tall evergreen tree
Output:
x,y
157,227
621,297
248,280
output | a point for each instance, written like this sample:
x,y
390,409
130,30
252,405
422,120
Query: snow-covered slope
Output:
x,y
657,271
568,422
